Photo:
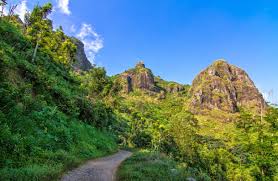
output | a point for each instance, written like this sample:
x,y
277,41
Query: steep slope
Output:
x,y
82,62
139,77
224,87
142,79
46,122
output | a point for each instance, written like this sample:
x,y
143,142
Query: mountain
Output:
x,y
224,87
139,77
221,86
82,62
142,78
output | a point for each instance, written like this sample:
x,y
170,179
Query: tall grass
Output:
x,y
150,166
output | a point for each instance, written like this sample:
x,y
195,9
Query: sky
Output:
x,y
175,38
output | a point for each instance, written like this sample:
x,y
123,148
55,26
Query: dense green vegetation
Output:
x,y
46,123
52,118
203,147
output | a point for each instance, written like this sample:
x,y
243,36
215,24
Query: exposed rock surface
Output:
x,y
139,78
142,78
225,87
82,62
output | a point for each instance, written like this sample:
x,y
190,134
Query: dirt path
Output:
x,y
102,169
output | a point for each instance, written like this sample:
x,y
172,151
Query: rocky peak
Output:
x,y
139,77
142,78
225,87
140,64
82,62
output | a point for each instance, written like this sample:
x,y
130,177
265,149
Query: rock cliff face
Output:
x,y
139,78
225,87
82,62
142,78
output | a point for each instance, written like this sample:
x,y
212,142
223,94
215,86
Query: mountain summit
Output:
x,y
142,78
139,77
225,87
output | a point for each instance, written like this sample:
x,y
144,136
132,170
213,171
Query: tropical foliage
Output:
x,y
47,124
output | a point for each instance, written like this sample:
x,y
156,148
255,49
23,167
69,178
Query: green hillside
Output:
x,y
47,125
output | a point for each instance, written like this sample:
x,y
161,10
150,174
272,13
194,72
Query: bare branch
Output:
x,y
11,10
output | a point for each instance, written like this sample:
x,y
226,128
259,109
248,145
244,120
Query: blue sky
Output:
x,y
176,38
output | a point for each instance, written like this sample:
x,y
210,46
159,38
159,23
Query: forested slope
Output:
x,y
217,145
46,122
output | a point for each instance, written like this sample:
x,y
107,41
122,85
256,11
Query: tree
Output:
x,y
96,82
38,26
256,142
138,134
184,128
39,30
3,3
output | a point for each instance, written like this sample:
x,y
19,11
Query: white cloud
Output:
x,y
5,11
21,9
72,29
93,42
63,5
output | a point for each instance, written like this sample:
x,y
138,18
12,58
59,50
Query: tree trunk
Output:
x,y
35,52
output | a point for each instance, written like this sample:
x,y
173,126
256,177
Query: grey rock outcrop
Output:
x,y
225,87
82,62
138,78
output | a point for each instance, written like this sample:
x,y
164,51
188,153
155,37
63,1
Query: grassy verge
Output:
x,y
148,166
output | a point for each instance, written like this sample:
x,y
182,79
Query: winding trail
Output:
x,y
102,169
